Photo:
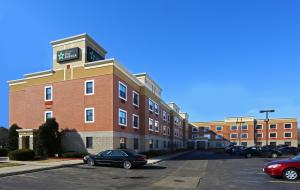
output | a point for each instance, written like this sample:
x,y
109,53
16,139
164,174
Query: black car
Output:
x,y
234,149
260,151
125,158
289,150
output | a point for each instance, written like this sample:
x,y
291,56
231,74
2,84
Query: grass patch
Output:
x,y
6,164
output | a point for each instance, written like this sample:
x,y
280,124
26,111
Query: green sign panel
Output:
x,y
67,55
92,55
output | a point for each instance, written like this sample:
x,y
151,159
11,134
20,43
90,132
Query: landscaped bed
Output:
x,y
6,164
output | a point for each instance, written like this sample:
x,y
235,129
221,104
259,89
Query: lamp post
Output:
x,y
267,122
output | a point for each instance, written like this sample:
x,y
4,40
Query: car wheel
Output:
x,y
290,174
248,155
90,162
274,155
127,165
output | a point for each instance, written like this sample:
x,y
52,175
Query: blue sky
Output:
x,y
214,58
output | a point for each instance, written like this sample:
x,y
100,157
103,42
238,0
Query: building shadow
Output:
x,y
72,141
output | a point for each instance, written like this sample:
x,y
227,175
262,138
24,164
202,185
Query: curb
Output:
x,y
38,170
170,157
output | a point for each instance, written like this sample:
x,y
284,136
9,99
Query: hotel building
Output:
x,y
98,104
246,131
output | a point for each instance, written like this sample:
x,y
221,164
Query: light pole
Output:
x,y
267,122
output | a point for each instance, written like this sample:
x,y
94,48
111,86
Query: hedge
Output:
x,y
3,152
73,155
21,155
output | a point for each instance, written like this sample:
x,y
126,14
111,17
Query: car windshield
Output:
x,y
296,158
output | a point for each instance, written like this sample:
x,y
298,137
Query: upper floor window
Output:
x,y
164,130
122,117
122,91
206,129
233,135
150,105
287,126
164,113
150,124
259,135
89,115
169,118
273,126
169,131
89,87
48,115
48,93
135,98
272,135
219,128
244,135
244,127
259,127
287,135
156,124
233,128
156,108
219,136
135,121
195,129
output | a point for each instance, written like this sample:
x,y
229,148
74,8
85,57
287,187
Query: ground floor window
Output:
x,y
156,144
135,143
151,144
244,143
273,143
89,142
288,143
122,143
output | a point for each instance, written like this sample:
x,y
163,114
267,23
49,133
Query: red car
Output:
x,y
288,169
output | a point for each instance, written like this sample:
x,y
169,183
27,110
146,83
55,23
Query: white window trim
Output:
x,y
237,128
85,82
150,100
244,134
156,105
262,135
121,124
288,137
85,115
138,103
288,123
164,130
138,121
156,122
272,137
45,115
219,126
244,129
262,127
164,113
120,83
150,119
233,134
45,93
272,124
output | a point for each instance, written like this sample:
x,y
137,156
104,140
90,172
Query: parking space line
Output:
x,y
290,182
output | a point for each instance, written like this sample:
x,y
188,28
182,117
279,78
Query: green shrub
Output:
x,y
3,152
21,155
73,155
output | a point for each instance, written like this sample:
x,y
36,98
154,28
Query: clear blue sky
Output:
x,y
214,58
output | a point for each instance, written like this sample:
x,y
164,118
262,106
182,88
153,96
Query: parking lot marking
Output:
x,y
290,182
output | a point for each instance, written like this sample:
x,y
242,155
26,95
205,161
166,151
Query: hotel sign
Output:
x,y
92,55
67,55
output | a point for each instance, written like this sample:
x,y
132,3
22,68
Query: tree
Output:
x,y
47,140
3,137
13,138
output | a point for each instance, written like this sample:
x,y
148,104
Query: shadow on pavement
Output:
x,y
206,155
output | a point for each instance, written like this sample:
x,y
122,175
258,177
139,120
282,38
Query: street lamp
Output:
x,y
267,122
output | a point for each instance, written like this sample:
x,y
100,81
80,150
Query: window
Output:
x,y
48,115
233,135
259,127
135,98
164,130
135,143
244,144
122,91
169,118
135,121
258,143
156,144
89,87
164,115
244,135
118,153
169,131
219,137
259,135
151,144
272,135
89,142
244,127
219,128
206,129
150,105
287,126
195,129
287,135
89,115
208,136
150,124
272,126
195,136
165,144
48,93
233,128
288,143
156,126
122,143
156,108
122,117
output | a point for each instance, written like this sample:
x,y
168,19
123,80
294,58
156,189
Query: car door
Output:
x,y
118,156
104,157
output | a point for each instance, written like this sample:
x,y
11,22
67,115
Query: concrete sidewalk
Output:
x,y
158,159
34,166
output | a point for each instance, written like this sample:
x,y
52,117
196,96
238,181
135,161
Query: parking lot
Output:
x,y
196,170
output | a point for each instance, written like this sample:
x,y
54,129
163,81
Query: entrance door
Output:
x,y
25,142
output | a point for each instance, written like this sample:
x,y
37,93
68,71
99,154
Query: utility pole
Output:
x,y
239,124
267,122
